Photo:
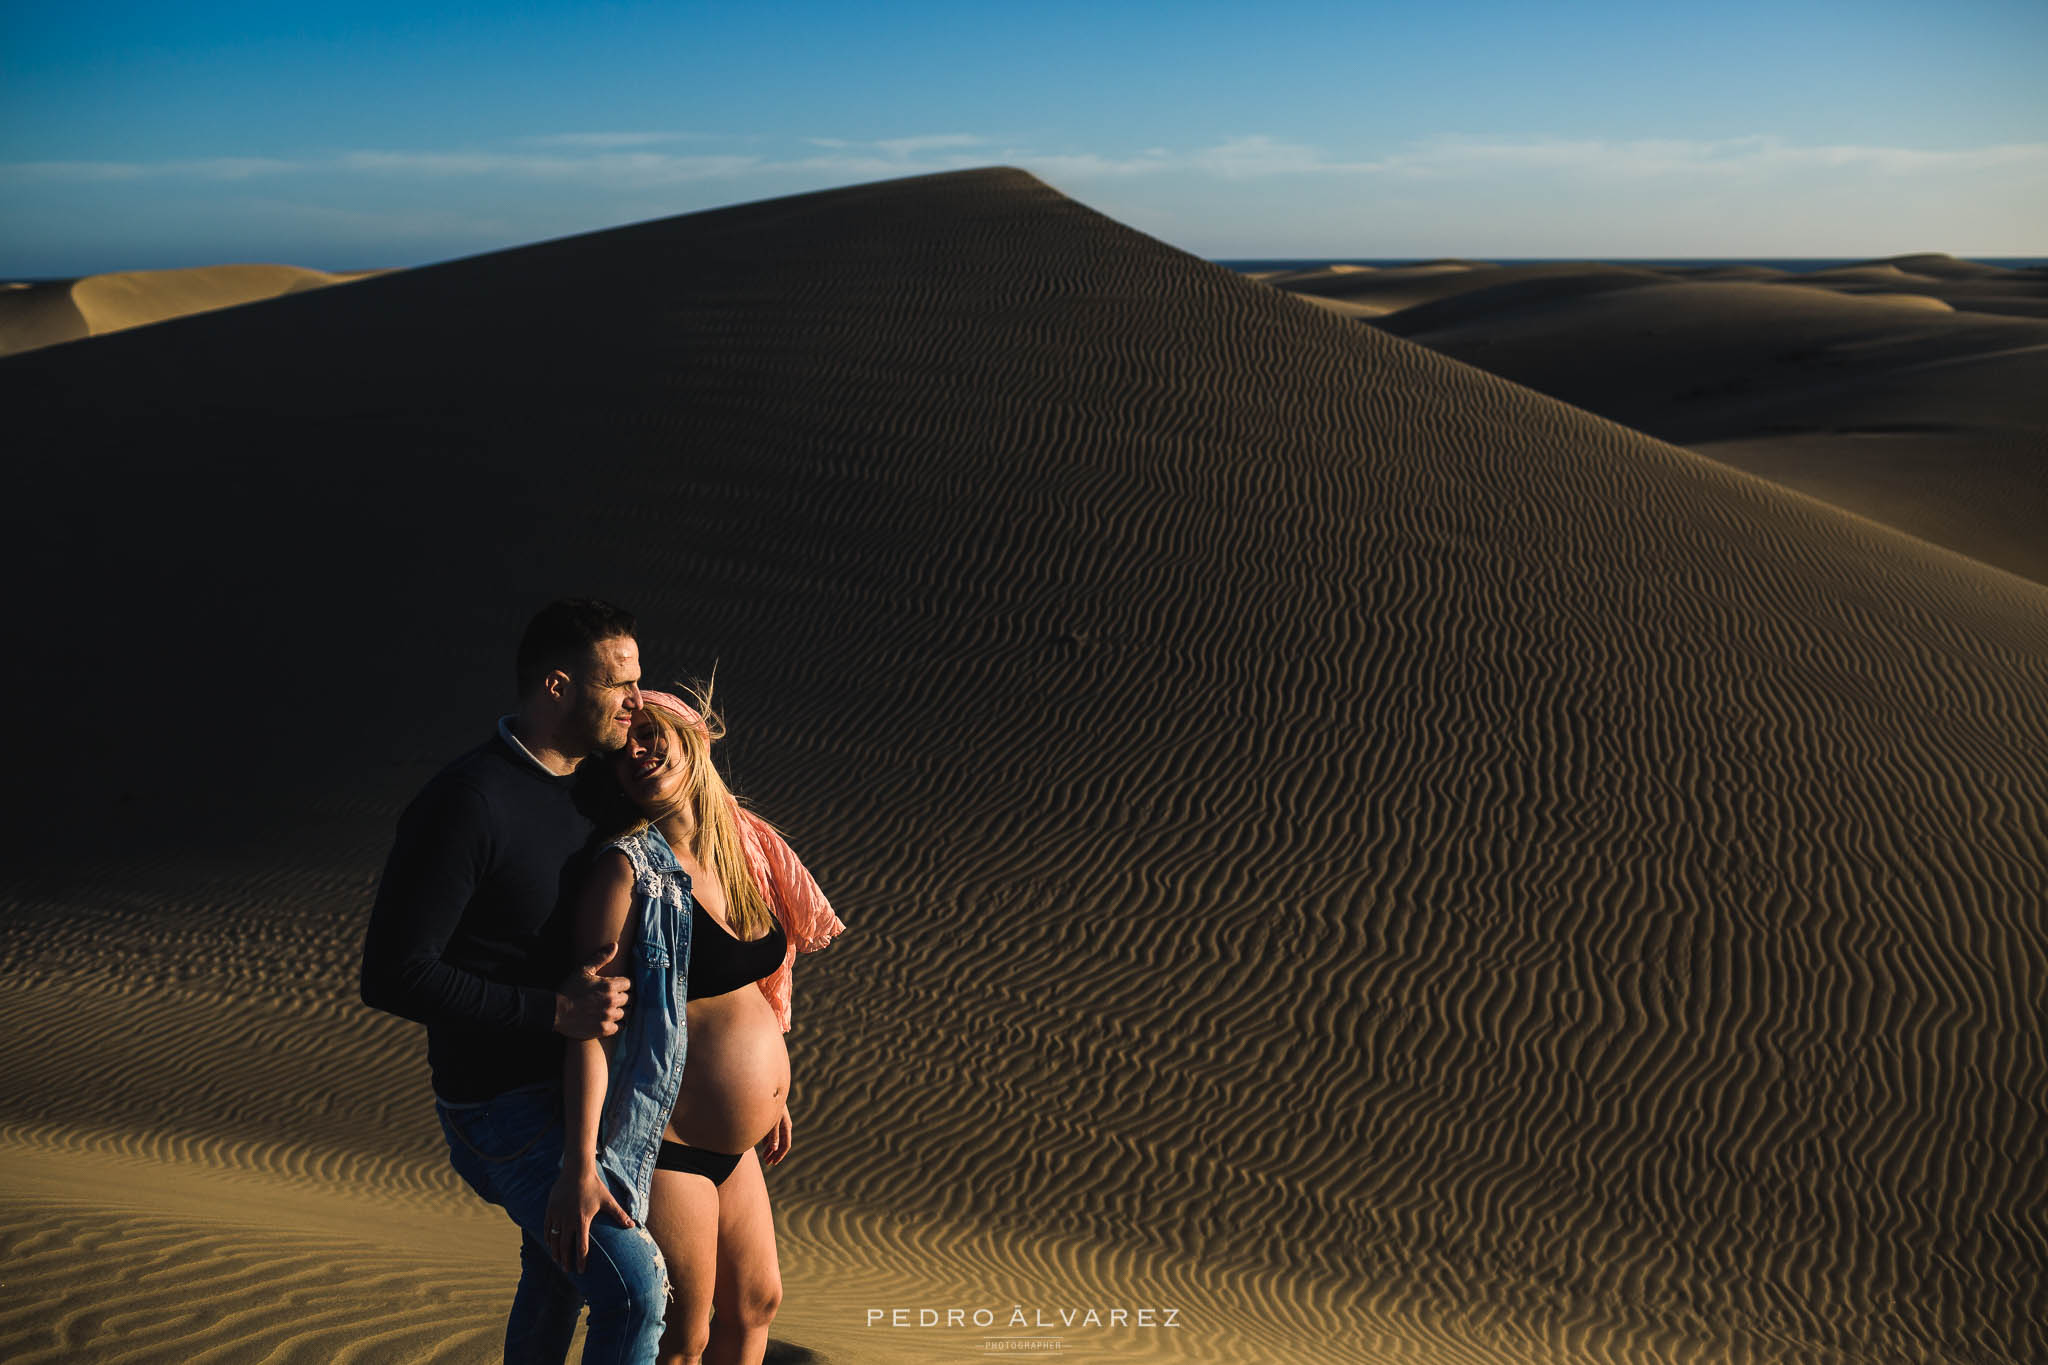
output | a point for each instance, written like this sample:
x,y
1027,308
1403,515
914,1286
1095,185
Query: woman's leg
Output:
x,y
682,1213
749,1287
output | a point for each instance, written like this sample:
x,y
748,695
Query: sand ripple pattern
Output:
x,y
1411,869
85,1285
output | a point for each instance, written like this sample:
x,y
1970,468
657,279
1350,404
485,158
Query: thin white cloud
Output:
x,y
73,170
1256,155
903,147
610,160
203,168
609,140
1088,165
882,167
626,170
1650,158
234,167
893,150
594,158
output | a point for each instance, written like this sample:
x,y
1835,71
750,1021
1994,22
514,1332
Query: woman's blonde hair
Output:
x,y
715,812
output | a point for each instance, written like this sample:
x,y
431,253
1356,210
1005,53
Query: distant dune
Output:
x,y
43,314
1913,391
1400,287
1386,864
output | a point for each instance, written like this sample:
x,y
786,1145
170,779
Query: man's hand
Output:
x,y
589,1005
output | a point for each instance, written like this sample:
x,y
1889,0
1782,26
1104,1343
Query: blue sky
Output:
x,y
147,135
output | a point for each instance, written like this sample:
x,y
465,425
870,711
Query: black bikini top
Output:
x,y
720,963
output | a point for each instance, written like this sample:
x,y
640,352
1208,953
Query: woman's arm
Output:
x,y
601,931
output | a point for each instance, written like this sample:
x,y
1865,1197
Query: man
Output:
x,y
465,938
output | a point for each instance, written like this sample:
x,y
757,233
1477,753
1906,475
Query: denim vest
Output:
x,y
646,1067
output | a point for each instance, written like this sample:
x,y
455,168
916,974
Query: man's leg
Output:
x,y
510,1151
544,1311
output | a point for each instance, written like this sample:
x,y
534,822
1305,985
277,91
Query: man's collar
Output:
x,y
505,733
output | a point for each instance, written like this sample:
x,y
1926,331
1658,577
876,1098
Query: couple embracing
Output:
x,y
599,940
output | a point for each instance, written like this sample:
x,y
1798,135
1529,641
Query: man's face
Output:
x,y
606,696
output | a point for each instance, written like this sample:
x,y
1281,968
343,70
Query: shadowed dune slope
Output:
x,y
1335,841
33,315
1892,405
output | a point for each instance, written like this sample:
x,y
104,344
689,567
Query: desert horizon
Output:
x,y
33,311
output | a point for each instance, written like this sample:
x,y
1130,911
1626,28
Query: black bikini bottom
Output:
x,y
713,1166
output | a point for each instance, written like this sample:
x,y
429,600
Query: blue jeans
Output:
x,y
509,1150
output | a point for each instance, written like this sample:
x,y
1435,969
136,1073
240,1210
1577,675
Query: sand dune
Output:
x,y
1906,403
1970,285
1407,286
1385,863
34,315
43,314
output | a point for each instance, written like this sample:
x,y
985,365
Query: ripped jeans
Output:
x,y
509,1150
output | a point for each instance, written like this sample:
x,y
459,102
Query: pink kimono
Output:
x,y
806,916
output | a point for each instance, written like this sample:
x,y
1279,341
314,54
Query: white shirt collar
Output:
x,y
505,733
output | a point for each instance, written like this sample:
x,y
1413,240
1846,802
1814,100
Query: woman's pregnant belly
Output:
x,y
735,1074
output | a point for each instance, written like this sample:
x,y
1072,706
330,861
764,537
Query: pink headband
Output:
x,y
675,704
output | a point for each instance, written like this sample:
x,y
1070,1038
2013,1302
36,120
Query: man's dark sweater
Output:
x,y
467,932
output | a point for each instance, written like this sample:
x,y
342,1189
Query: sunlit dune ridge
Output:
x,y
43,313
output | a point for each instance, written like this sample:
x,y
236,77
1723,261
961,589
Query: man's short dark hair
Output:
x,y
563,635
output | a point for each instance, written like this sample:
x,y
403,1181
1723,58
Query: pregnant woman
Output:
x,y
704,908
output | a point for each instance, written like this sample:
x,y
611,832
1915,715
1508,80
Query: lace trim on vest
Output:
x,y
648,879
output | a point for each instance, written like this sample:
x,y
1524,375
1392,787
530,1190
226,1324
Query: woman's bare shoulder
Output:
x,y
610,881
